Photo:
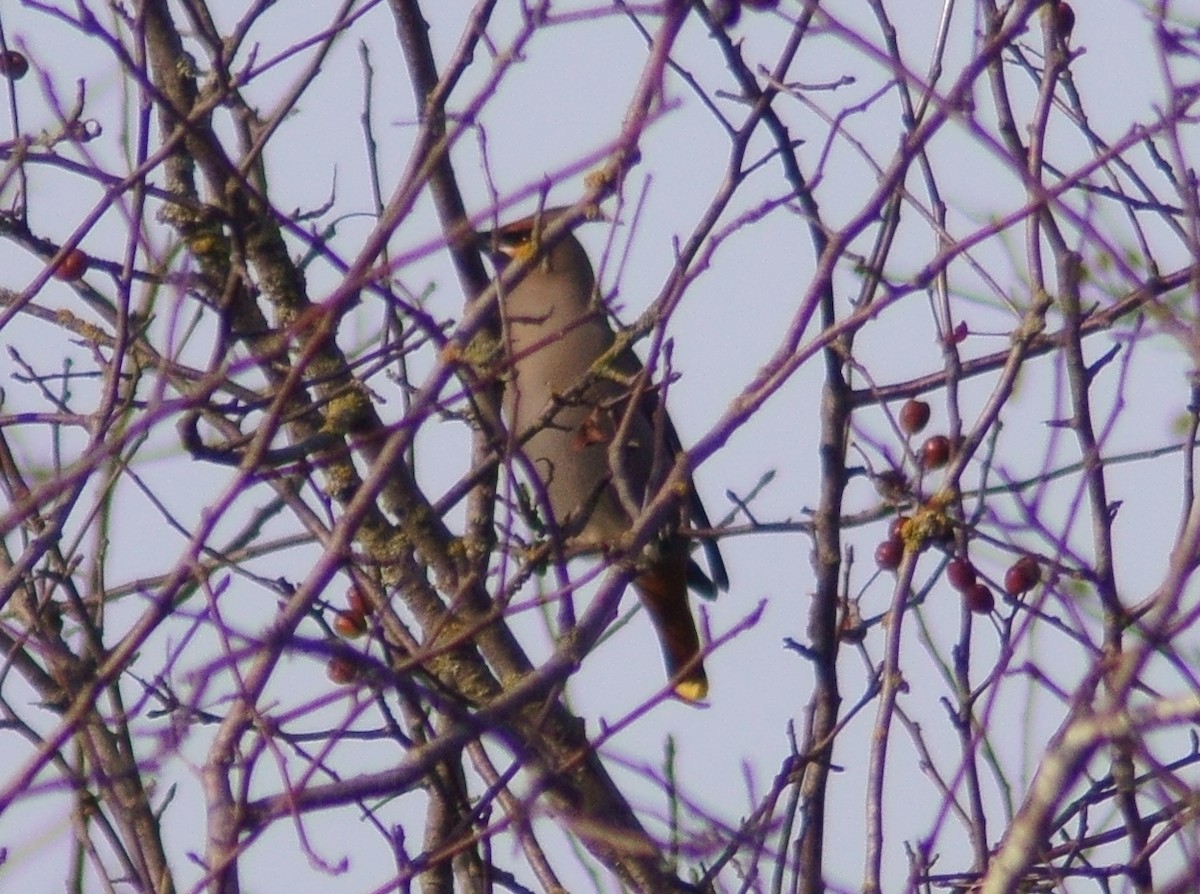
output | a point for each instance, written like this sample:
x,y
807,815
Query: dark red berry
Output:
x,y
1064,20
961,574
1023,575
13,65
1032,568
726,12
350,624
979,599
896,528
914,416
72,266
340,670
958,334
888,554
935,452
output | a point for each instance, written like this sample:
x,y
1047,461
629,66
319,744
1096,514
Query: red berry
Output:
x,y
1022,576
888,554
979,599
341,670
896,528
72,266
914,416
350,624
1032,568
13,65
935,452
961,574
726,12
958,335
1064,20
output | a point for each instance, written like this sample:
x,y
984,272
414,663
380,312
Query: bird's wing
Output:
x,y
717,579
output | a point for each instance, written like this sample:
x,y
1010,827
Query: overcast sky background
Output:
x,y
565,100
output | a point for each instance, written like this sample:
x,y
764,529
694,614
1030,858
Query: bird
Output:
x,y
570,392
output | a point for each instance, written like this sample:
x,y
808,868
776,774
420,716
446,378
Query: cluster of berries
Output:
x,y
935,453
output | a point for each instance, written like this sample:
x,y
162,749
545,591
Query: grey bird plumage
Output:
x,y
568,410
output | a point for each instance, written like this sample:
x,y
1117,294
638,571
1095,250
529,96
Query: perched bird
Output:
x,y
570,395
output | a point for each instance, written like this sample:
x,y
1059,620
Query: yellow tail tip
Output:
x,y
691,690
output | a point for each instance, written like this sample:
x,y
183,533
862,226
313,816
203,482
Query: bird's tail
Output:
x,y
663,590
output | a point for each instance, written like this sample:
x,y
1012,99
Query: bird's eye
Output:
x,y
517,246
